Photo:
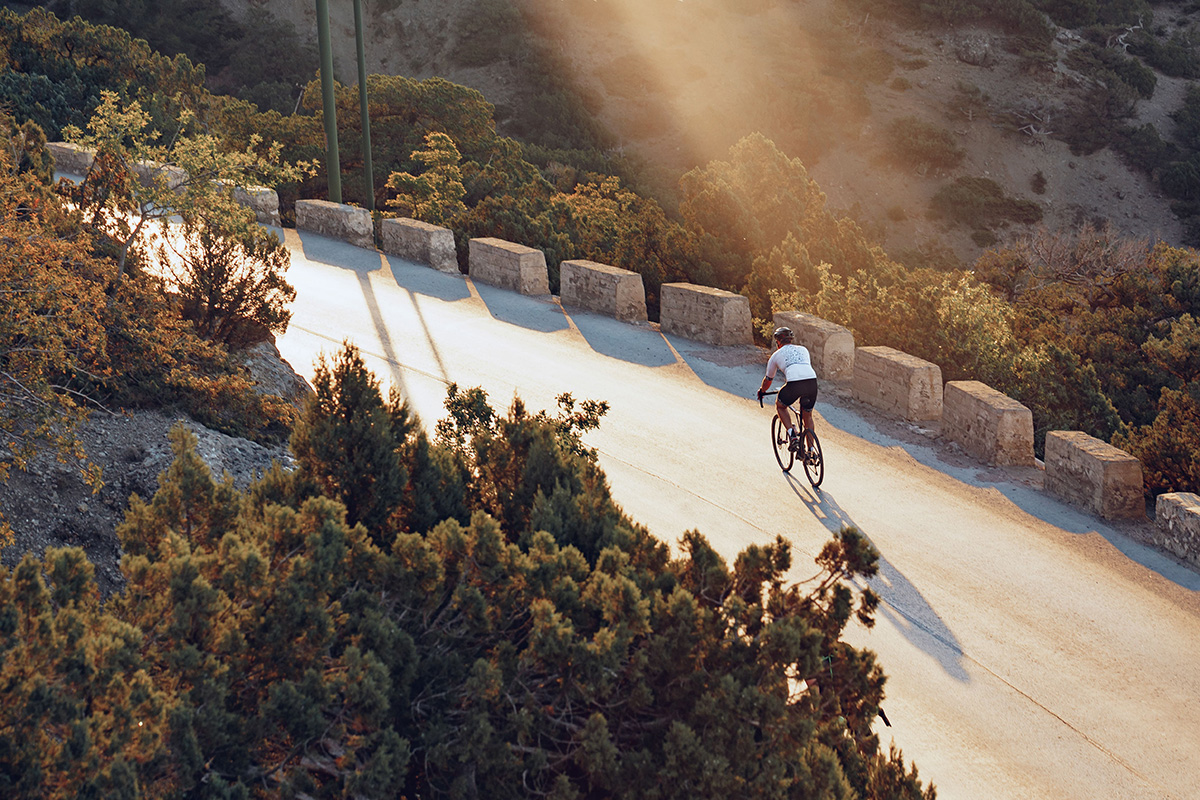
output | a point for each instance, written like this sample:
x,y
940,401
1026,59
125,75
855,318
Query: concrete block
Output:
x,y
337,221
830,345
508,265
1177,525
262,201
897,383
987,424
72,159
150,172
1095,475
421,242
705,314
602,288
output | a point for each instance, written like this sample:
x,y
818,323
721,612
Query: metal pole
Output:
x,y
333,167
368,171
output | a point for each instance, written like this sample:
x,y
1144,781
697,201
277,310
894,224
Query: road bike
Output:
x,y
808,445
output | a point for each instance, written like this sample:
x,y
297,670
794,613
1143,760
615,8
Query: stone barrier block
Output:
x,y
1095,475
1177,525
420,241
508,265
148,172
602,288
987,424
705,314
72,159
830,345
337,221
897,383
262,201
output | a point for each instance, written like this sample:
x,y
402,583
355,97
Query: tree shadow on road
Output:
x,y
901,603
412,278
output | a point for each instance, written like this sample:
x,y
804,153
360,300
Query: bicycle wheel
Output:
x,y
814,461
779,439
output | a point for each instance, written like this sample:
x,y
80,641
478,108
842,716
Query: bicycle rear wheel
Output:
x,y
779,438
814,460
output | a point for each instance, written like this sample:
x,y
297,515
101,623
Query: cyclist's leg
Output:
x,y
782,411
808,398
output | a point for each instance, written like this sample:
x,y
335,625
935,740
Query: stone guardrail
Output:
x,y
1088,472
508,265
419,241
72,159
898,383
830,345
987,424
75,159
705,314
1177,525
602,288
337,221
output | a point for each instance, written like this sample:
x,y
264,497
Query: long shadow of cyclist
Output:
x,y
901,603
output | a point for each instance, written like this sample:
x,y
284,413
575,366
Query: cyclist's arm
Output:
x,y
772,366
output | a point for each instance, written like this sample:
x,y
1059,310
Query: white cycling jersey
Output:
x,y
795,362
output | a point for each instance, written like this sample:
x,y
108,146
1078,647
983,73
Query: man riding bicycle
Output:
x,y
800,383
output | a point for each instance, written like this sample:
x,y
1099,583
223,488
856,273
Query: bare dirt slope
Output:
x,y
49,505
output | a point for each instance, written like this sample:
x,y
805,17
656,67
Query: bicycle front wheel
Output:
x,y
779,438
814,460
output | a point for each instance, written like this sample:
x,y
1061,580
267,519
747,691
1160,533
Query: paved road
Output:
x,y
1032,652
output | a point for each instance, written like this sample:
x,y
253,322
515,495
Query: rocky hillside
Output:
x,y
678,82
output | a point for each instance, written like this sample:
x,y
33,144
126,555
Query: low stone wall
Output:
x,y
508,265
987,424
72,159
602,288
148,172
337,221
1177,525
897,383
830,345
262,201
1095,475
422,242
75,159
705,314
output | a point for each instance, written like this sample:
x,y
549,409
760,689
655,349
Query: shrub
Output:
x,y
1176,57
922,145
1038,182
981,203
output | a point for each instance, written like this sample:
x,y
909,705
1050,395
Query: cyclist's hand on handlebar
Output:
x,y
760,396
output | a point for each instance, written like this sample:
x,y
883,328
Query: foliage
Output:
x,y
1175,57
228,272
982,204
135,181
82,716
436,194
49,335
80,61
272,649
922,146
346,440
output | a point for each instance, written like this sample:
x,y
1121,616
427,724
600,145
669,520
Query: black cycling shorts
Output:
x,y
805,391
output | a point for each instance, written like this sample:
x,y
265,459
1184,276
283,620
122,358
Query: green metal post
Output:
x,y
333,166
368,171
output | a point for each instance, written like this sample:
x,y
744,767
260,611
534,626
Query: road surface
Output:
x,y
1032,651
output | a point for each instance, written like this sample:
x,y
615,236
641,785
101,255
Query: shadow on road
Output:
x,y
901,603
412,278
518,309
621,340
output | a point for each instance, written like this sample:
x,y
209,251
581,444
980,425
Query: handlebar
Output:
x,y
764,394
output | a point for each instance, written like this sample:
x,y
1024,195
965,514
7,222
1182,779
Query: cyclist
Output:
x,y
800,383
